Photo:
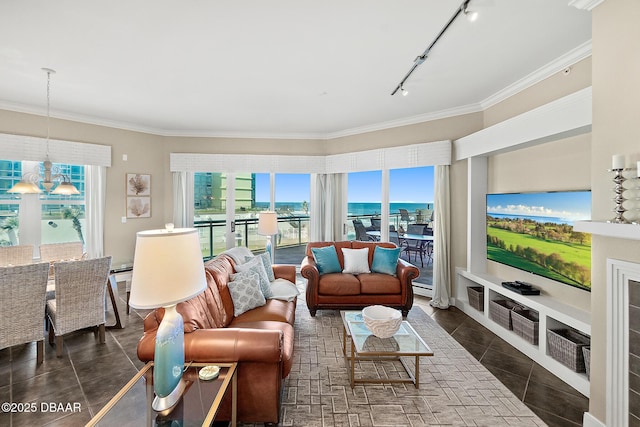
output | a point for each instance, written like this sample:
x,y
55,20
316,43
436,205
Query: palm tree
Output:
x,y
10,225
74,215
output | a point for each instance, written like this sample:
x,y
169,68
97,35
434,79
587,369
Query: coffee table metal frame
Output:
x,y
358,352
229,379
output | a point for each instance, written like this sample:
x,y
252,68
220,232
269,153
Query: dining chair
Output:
x,y
22,302
52,252
16,255
79,298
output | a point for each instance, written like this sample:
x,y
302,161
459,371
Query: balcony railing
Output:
x,y
293,231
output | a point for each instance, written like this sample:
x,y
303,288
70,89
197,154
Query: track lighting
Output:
x,y
471,15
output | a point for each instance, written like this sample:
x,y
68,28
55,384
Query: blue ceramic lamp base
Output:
x,y
168,361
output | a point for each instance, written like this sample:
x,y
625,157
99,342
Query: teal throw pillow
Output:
x,y
266,261
385,260
326,259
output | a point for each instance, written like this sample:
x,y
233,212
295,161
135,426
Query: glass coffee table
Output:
x,y
198,406
366,346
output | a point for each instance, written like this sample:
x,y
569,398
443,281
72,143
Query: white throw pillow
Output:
x,y
284,290
356,261
245,293
257,266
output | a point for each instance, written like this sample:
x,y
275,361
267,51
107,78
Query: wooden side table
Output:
x,y
131,406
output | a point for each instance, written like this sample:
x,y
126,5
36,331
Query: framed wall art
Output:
x,y
138,184
138,193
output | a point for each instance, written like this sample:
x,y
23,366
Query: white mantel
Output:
x,y
603,228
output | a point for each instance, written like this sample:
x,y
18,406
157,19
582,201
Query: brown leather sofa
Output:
x,y
343,291
261,340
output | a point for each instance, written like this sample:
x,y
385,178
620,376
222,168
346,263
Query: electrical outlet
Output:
x,y
124,219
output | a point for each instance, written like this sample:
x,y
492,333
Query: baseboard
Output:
x,y
589,420
423,290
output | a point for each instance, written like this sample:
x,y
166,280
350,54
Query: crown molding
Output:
x,y
585,4
421,118
570,58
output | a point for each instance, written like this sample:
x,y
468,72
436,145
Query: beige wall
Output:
x,y
553,87
616,111
436,130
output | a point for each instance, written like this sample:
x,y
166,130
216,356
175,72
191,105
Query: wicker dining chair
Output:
x,y
16,255
79,298
22,302
52,252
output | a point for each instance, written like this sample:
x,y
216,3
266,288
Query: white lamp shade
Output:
x,y
167,268
267,223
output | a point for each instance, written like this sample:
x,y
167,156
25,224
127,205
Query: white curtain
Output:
x,y
327,207
95,190
442,233
183,199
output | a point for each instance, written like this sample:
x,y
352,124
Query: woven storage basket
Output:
x,y
525,323
500,312
566,346
586,352
476,297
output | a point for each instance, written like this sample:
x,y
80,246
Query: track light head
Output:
x,y
404,91
471,15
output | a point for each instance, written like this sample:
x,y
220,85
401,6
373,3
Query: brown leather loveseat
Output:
x,y
344,291
260,339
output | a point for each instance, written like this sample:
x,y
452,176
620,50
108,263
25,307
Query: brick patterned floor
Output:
x,y
455,389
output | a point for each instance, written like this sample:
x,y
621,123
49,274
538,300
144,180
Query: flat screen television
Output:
x,y
534,232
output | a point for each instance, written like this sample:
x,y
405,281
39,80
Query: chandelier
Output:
x,y
29,184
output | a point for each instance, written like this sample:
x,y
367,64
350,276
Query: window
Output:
x,y
40,218
293,193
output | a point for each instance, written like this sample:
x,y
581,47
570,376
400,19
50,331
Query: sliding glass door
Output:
x,y
227,208
364,191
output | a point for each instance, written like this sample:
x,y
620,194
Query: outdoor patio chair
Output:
x,y
361,231
22,302
422,248
404,216
79,298
16,255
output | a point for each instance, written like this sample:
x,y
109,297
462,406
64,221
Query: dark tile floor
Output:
x,y
555,402
89,374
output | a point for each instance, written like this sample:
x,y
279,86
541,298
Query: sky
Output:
x,y
405,185
571,205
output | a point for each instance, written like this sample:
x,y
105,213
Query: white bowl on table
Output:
x,y
382,321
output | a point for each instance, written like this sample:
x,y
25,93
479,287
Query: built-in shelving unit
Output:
x,y
553,314
568,116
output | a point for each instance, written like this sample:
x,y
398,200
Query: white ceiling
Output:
x,y
279,68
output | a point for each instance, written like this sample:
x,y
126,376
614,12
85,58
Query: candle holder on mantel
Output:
x,y
618,197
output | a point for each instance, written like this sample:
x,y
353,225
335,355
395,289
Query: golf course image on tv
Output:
x,y
534,232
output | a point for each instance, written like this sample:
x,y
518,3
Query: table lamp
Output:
x,y
167,269
268,226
